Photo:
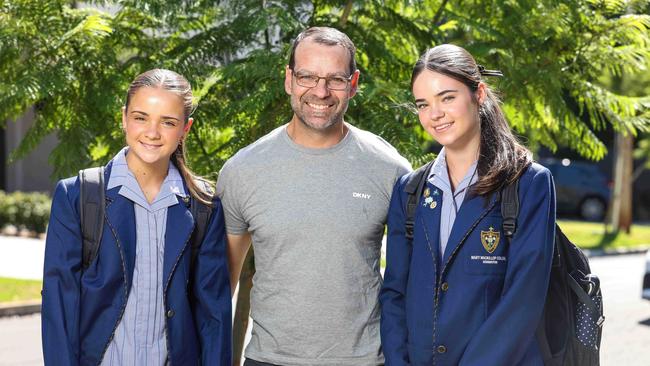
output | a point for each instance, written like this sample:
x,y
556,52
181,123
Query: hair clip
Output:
x,y
485,72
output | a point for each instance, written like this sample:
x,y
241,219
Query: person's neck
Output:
x,y
149,176
459,163
316,139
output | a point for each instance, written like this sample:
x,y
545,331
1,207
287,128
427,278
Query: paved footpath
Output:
x,y
21,257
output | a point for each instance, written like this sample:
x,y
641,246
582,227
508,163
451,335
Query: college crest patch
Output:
x,y
490,239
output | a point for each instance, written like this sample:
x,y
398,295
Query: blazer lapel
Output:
x,y
121,218
180,225
471,212
429,209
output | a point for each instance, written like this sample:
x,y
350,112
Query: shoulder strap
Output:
x,y
92,206
510,208
414,188
201,213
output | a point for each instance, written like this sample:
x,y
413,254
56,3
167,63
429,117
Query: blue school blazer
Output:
x,y
479,302
81,309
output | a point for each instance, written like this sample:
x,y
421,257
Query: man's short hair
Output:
x,y
327,36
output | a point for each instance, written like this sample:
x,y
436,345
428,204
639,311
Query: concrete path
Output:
x,y
21,257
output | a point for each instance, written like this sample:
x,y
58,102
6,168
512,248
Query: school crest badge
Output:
x,y
490,239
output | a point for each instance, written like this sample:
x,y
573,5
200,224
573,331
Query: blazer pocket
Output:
x,y
485,251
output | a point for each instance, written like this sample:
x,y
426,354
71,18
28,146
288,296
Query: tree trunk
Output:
x,y
621,202
346,14
242,310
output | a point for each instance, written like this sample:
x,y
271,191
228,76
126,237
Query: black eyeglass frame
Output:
x,y
326,78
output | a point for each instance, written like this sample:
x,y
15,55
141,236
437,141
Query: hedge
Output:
x,y
30,211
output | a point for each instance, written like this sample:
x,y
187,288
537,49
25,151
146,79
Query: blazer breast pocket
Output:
x,y
486,250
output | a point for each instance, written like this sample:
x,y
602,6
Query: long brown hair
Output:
x,y
177,84
501,157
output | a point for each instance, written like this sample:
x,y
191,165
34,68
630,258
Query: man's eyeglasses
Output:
x,y
331,82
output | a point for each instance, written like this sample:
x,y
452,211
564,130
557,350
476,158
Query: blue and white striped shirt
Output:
x,y
140,336
451,201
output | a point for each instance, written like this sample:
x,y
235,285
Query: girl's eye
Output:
x,y
448,98
420,106
169,123
138,118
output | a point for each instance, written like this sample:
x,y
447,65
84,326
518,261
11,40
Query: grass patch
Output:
x,y
12,289
592,235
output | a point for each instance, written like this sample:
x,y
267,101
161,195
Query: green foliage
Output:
x,y
74,65
30,211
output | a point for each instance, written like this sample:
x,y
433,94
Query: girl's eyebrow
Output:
x,y
437,95
170,117
146,114
446,91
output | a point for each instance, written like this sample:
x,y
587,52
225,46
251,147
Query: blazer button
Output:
x,y
170,313
441,349
444,286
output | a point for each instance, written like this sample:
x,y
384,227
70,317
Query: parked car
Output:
x,y
646,278
581,188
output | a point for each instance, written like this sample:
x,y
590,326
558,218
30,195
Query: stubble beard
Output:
x,y
335,118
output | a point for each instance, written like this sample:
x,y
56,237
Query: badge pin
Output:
x,y
427,192
435,193
430,202
490,239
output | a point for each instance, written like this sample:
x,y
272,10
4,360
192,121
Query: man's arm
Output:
x,y
237,248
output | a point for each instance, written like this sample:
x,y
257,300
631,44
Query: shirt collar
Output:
x,y
439,176
121,176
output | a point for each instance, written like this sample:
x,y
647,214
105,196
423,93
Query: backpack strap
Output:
x,y
201,213
510,208
92,207
414,188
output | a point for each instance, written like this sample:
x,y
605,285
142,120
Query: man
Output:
x,y
313,196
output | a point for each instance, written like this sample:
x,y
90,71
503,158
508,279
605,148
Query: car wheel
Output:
x,y
593,209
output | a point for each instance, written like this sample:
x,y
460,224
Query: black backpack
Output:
x,y
92,210
570,330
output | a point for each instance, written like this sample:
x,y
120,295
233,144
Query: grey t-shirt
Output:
x,y
317,219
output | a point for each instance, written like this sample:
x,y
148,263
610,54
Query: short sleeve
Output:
x,y
229,187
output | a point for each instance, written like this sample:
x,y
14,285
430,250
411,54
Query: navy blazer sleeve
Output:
x,y
211,289
393,293
514,320
61,279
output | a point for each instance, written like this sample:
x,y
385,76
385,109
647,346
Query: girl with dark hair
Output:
x,y
459,292
147,297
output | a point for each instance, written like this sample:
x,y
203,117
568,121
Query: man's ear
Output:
x,y
354,83
288,77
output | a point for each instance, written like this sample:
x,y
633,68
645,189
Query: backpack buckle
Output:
x,y
509,227
409,225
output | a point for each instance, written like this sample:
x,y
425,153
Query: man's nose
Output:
x,y
321,90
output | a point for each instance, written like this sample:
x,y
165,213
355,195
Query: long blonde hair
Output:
x,y
177,84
